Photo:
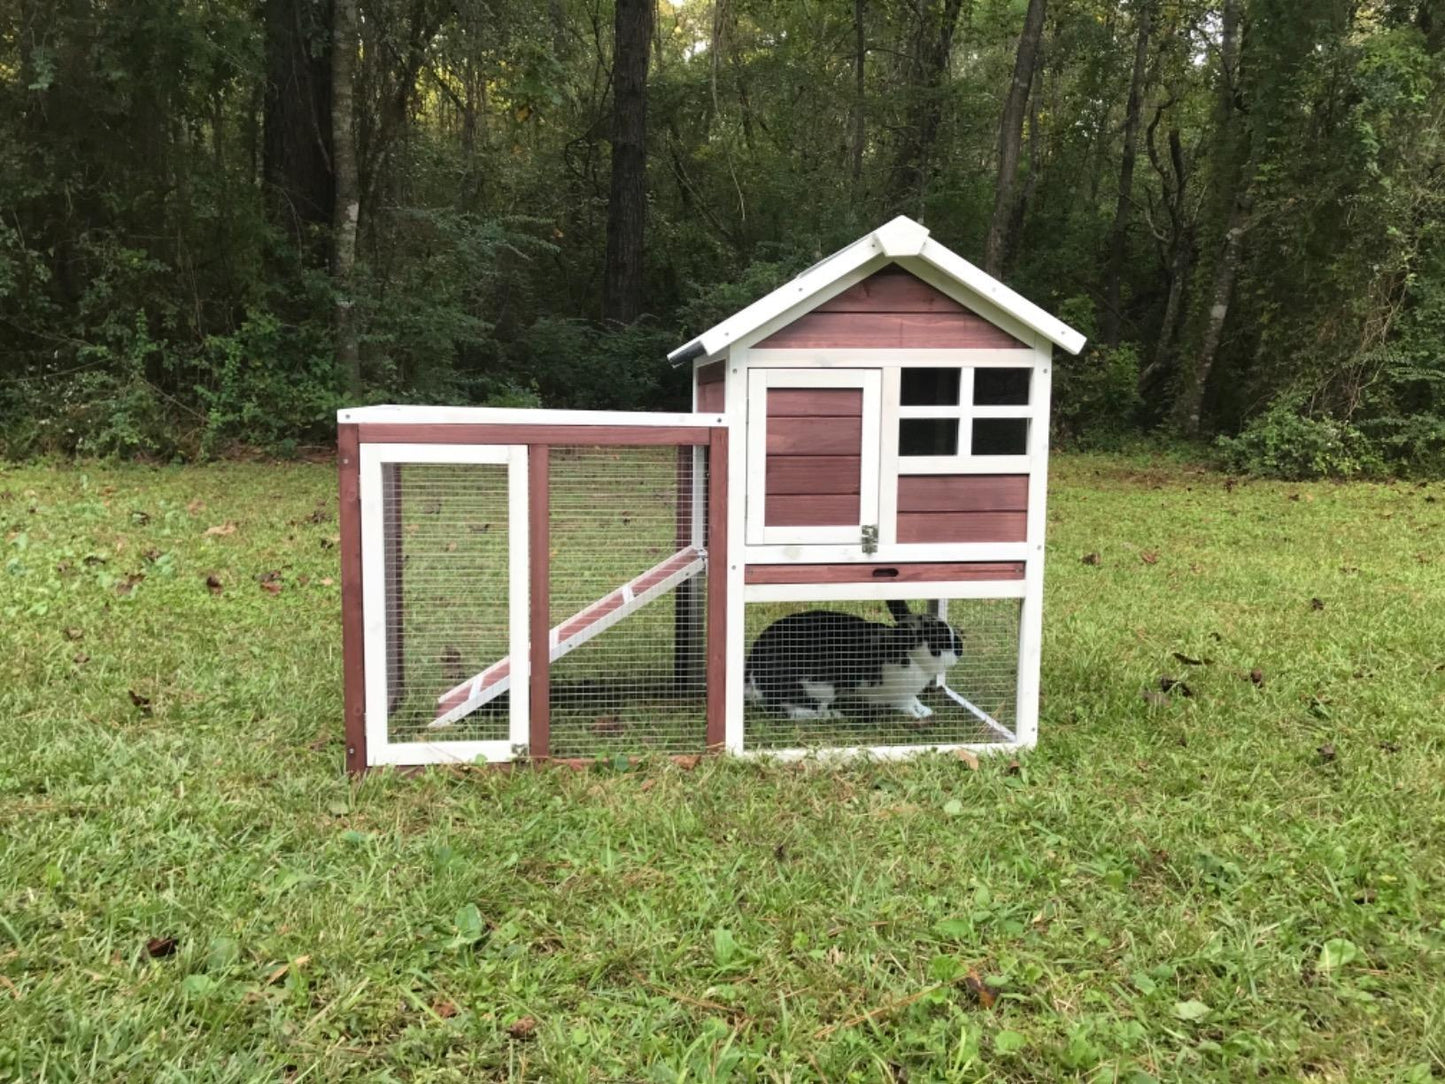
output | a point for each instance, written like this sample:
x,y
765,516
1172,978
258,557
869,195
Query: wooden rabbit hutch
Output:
x,y
840,549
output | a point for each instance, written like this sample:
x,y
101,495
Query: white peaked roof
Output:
x,y
901,239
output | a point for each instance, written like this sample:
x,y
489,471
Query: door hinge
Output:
x,y
870,538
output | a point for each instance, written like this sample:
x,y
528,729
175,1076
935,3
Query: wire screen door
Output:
x,y
627,588
862,674
446,602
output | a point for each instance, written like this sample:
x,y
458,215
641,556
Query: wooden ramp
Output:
x,y
584,625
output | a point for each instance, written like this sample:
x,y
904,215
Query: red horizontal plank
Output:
x,y
814,474
891,290
815,436
815,402
831,510
963,493
913,572
581,435
962,526
902,330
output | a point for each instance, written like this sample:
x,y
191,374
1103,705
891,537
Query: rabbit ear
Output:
x,y
898,609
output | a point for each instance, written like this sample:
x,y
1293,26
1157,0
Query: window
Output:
x,y
955,412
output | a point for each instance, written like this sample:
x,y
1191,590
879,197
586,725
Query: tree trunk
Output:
x,y
928,74
627,194
348,200
1119,233
296,143
1233,155
859,125
1010,135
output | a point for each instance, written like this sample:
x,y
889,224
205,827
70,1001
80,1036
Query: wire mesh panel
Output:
x,y
627,601
868,674
447,600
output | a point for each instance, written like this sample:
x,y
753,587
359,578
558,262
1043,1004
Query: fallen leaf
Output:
x,y
195,506
523,1028
327,581
1191,1010
271,587
969,757
1317,604
151,556
1149,557
1256,676
127,585
219,530
74,634
281,972
444,1008
1188,660
1326,752
158,947
975,985
647,785
1390,746
689,762
1155,699
1170,684
81,658
451,547
141,702
213,584
1091,559
1013,768
451,660
1229,484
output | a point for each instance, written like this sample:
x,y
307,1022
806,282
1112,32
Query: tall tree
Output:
x,y
1010,136
348,190
1123,208
858,119
927,79
1232,157
296,149
627,190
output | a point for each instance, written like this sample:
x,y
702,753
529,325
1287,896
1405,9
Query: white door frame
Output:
x,y
760,381
374,458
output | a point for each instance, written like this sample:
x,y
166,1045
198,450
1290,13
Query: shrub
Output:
x,y
1284,443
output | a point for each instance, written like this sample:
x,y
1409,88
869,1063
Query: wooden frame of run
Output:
x,y
372,440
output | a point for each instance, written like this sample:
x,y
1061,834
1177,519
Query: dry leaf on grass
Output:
x,y
219,530
969,757
523,1028
159,947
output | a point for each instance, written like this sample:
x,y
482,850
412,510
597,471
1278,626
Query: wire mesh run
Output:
x,y
447,595
628,601
868,674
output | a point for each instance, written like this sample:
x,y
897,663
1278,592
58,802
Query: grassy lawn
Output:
x,y
1245,881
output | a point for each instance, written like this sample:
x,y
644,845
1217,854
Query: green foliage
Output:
x,y
1284,443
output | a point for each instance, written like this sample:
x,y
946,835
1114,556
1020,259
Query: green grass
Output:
x,y
1180,888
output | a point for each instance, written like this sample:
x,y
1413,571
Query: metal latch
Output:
x,y
870,538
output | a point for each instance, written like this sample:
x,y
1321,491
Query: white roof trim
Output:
x,y
900,238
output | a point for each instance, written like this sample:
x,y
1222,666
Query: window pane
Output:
x,y
930,387
1001,387
1000,436
928,436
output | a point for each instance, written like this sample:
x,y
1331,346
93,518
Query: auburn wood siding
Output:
x,y
814,459
711,389
891,308
963,507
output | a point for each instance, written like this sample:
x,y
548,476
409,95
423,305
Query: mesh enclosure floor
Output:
x,y
447,594
623,515
853,679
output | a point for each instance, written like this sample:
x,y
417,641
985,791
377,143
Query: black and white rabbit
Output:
x,y
817,663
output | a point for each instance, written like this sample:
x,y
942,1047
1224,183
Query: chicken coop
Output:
x,y
839,550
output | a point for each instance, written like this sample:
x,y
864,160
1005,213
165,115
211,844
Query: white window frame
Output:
x,y
760,382
965,412
374,458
